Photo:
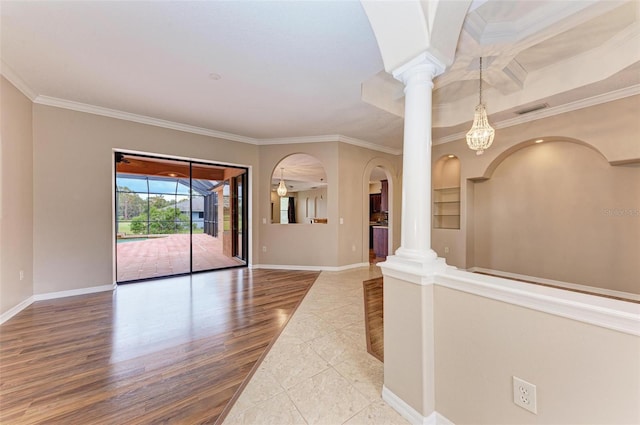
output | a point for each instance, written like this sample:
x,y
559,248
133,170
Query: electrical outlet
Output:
x,y
524,395
264,249
21,274
353,248
264,220
446,249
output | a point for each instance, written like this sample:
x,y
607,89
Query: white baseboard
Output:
x,y
409,413
53,295
15,310
309,268
558,283
74,292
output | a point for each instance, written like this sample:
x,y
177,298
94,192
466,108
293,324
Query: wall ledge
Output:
x,y
409,413
559,283
607,313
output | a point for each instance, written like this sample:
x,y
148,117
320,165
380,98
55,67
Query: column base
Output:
x,y
416,267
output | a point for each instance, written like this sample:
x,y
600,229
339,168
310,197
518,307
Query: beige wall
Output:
x,y
347,197
583,373
311,204
297,244
558,210
73,188
611,128
355,169
72,176
375,187
16,197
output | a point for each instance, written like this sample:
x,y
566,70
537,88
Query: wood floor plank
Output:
x,y
169,351
374,316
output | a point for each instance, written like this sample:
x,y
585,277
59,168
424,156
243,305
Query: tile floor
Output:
x,y
319,371
156,257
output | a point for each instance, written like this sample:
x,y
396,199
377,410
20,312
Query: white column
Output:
x,y
415,244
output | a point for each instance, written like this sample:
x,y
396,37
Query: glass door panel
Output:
x,y
213,232
240,217
152,219
177,217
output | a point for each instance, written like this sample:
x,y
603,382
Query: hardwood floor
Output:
x,y
374,316
167,351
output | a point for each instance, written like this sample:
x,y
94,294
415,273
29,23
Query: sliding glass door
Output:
x,y
176,217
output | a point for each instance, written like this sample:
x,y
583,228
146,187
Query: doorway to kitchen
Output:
x,y
175,217
378,215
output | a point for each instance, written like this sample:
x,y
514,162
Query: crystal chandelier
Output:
x,y
481,134
282,188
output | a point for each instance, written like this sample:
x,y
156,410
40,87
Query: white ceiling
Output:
x,y
294,69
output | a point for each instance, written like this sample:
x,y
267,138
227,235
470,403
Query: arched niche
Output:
x,y
558,210
530,142
446,193
305,201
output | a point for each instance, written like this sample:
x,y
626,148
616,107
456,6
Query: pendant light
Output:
x,y
282,188
481,134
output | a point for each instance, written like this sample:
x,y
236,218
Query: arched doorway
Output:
x,y
378,217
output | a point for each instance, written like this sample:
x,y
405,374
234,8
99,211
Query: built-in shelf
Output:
x,y
446,208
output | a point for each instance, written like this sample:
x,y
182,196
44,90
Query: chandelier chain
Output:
x,y
481,79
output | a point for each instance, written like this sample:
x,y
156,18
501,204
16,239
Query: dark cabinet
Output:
x,y
384,196
375,203
380,241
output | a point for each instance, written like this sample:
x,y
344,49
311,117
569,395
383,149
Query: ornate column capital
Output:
x,y
423,68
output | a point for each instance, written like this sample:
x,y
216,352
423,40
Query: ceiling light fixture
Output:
x,y
481,134
451,156
539,140
282,188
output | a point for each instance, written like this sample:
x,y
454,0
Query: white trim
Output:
x,y
143,119
53,295
301,139
18,82
74,292
417,271
549,112
604,312
309,268
442,420
409,413
329,138
16,309
566,285
10,75
369,145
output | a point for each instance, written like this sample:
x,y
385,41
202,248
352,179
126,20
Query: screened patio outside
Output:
x,y
172,223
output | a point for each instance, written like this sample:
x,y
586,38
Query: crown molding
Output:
x,y
8,73
549,112
142,119
330,138
369,145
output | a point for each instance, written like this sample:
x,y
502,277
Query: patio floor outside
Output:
x,y
169,255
